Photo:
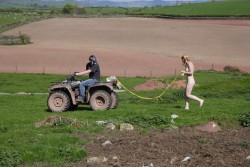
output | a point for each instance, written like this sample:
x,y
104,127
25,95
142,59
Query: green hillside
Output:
x,y
221,8
31,4
213,8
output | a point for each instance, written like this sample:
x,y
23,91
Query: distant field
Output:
x,y
232,8
222,8
226,8
12,18
128,46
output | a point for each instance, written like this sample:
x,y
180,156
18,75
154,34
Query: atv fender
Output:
x,y
65,88
99,86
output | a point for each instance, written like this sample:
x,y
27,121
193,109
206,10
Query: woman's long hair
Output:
x,y
185,59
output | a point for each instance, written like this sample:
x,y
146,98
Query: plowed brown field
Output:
x,y
128,46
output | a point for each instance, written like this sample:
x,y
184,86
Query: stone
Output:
x,y
126,126
96,160
209,127
110,126
106,143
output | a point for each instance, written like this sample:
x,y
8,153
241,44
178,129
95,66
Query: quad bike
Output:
x,y
100,96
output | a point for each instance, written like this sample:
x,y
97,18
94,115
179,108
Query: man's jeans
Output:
x,y
85,83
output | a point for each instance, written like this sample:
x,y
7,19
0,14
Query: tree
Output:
x,y
69,9
82,11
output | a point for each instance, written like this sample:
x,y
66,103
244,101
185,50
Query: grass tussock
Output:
x,y
244,119
10,158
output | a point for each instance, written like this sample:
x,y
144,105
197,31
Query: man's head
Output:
x,y
92,58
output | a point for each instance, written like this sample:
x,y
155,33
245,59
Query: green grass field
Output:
x,y
226,96
221,8
11,18
217,9
226,8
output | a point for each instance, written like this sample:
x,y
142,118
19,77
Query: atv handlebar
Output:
x,y
72,77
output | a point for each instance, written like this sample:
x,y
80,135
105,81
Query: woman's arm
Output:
x,y
190,67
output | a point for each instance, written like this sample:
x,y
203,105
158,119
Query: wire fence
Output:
x,y
9,40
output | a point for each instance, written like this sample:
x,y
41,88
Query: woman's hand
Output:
x,y
183,73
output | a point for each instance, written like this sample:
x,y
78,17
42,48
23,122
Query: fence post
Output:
x,y
212,68
43,70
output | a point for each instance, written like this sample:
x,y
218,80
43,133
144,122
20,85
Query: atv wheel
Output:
x,y
58,101
100,100
115,100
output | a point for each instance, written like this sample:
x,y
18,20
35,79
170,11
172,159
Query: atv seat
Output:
x,y
75,85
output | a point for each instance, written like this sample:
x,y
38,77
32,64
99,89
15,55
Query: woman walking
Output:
x,y
189,71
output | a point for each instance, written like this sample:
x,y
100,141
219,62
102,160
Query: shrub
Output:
x,y
3,128
25,39
245,144
148,121
244,119
81,11
231,69
69,9
10,158
202,140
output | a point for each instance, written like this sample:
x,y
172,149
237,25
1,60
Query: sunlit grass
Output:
x,y
59,145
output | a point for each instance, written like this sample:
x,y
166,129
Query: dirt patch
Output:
x,y
209,127
179,84
229,147
157,84
150,85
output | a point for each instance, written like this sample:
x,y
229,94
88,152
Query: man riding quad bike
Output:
x,y
67,95
100,96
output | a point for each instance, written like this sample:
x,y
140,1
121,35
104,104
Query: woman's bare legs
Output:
x,y
186,103
188,95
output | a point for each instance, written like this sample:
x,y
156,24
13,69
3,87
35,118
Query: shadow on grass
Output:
x,y
177,107
81,108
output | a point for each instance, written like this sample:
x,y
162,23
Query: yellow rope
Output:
x,y
149,98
